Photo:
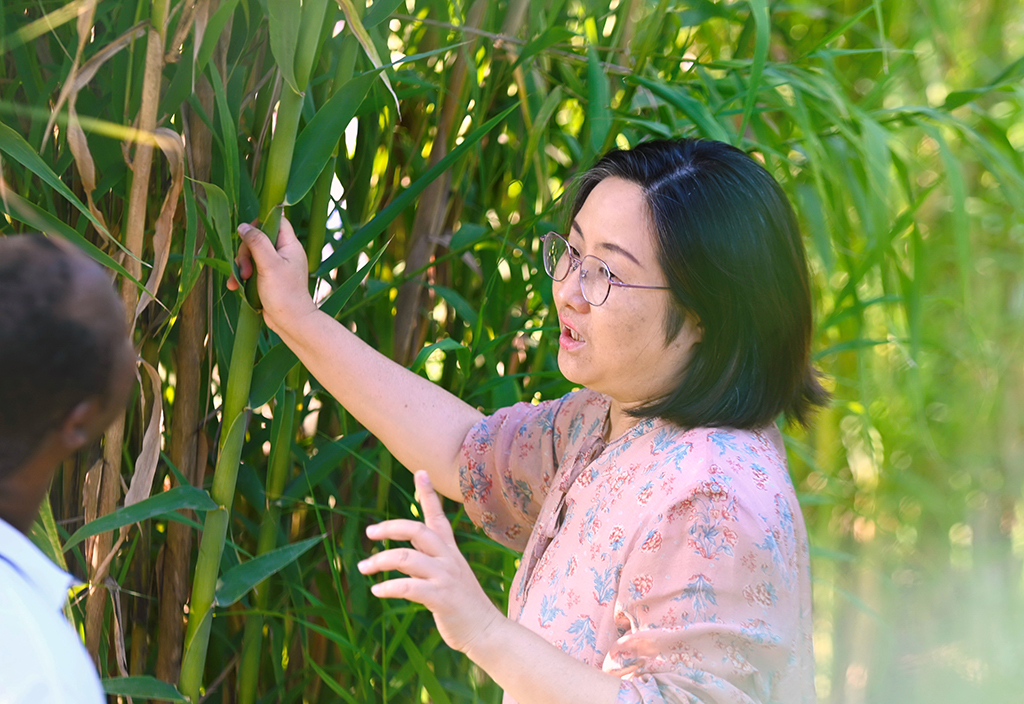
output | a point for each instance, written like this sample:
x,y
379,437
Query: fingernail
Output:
x,y
244,228
375,589
361,565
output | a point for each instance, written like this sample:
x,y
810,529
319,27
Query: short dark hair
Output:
x,y
49,360
730,248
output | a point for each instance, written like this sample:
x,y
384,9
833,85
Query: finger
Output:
x,y
433,511
405,560
244,260
286,234
257,244
404,588
421,537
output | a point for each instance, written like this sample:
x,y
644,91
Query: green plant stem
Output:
x,y
275,181
282,431
211,547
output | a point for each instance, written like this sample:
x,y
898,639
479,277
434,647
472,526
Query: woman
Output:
x,y
665,556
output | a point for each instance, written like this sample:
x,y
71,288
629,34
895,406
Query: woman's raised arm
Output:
x,y
420,423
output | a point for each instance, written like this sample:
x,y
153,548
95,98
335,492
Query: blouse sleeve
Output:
x,y
510,459
706,602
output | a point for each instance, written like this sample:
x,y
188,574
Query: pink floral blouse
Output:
x,y
676,560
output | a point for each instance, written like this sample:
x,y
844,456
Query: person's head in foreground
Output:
x,y
691,301
66,364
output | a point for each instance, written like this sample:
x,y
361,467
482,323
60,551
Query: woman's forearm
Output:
x,y
533,671
421,424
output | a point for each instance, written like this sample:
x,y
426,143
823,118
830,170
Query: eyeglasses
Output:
x,y
596,280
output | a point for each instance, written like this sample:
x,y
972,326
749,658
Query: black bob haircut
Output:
x,y
730,248
49,360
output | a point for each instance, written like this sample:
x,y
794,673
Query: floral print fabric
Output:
x,y
674,559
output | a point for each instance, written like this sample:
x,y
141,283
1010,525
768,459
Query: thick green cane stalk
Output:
x,y
278,167
211,547
281,432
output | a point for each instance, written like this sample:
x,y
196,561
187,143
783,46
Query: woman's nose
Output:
x,y
569,291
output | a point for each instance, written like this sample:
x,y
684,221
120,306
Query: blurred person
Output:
x,y
665,557
66,370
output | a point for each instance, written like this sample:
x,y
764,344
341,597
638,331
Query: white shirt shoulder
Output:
x,y
42,659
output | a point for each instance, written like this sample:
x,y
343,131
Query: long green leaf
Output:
x,y
377,225
15,146
380,11
284,18
237,581
599,114
697,111
355,25
445,345
269,374
144,687
229,130
37,218
340,296
762,39
164,504
220,222
317,141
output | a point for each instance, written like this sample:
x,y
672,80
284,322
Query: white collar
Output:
x,y
50,582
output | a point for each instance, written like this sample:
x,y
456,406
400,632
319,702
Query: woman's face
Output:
x,y
619,347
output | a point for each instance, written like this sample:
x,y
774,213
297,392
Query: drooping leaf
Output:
x,y
234,583
380,11
445,345
220,223
14,145
34,216
269,374
458,302
164,504
143,687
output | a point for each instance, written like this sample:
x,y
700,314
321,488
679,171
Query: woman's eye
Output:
x,y
574,252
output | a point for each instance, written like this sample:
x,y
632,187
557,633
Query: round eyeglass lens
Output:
x,y
556,259
594,280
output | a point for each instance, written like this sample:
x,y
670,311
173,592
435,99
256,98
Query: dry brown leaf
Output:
x,y
174,149
145,466
86,10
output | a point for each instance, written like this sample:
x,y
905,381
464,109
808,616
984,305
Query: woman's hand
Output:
x,y
438,575
283,281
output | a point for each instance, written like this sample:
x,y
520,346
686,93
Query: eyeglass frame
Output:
x,y
575,263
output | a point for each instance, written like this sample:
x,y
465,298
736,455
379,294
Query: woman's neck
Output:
x,y
619,421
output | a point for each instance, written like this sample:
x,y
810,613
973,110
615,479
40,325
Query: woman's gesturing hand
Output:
x,y
438,575
283,280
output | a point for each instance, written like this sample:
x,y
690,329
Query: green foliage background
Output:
x,y
895,128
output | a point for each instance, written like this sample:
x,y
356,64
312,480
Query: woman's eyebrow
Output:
x,y
607,245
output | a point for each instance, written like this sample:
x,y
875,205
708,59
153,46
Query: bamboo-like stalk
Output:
x,y
135,228
185,447
433,206
243,354
281,433
215,528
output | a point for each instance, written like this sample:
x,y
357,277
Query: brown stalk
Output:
x,y
186,451
430,213
110,481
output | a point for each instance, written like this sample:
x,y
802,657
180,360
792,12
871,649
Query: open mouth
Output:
x,y
571,333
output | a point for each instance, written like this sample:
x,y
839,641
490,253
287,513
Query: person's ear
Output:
x,y
79,425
